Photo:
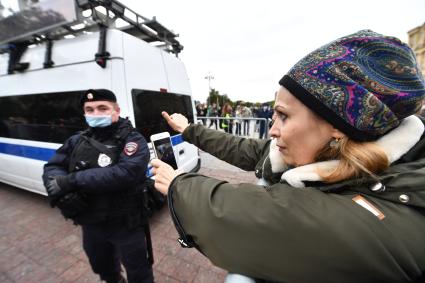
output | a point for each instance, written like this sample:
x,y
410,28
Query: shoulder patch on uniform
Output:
x,y
130,148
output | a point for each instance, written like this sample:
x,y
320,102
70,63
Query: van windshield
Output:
x,y
148,106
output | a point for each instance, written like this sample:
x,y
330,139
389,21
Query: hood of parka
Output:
x,y
403,182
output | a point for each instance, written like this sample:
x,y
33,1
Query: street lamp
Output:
x,y
209,77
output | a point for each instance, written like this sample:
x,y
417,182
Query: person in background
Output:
x,y
213,111
238,122
341,195
94,179
265,113
226,123
201,111
246,113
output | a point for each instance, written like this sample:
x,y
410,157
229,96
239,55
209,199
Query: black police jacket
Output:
x,y
108,182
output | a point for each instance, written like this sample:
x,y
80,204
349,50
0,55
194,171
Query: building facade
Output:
x,y
417,43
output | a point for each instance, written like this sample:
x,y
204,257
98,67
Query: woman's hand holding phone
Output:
x,y
164,175
176,121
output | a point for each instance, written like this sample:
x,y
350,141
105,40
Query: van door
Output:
x,y
148,106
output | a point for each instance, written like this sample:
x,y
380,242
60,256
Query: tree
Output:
x,y
220,99
216,97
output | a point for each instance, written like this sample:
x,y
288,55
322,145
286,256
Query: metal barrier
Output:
x,y
247,129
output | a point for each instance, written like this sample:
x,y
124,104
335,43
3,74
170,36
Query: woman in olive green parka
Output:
x,y
342,181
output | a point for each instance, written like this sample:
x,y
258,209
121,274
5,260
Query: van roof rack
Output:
x,y
82,16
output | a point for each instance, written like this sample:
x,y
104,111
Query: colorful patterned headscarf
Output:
x,y
363,84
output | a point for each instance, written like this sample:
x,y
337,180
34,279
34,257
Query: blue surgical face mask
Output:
x,y
98,121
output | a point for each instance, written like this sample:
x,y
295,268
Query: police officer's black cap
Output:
x,y
97,95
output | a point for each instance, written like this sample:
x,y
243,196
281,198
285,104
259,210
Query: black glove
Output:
x,y
57,187
53,188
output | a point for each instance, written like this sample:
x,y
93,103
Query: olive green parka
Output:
x,y
297,229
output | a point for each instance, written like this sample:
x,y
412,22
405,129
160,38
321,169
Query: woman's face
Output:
x,y
300,134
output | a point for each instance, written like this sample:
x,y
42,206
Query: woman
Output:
x,y
343,194
226,123
238,122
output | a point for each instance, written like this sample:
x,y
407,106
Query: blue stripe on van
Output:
x,y
177,139
38,153
44,154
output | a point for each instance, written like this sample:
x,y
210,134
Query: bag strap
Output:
x,y
99,146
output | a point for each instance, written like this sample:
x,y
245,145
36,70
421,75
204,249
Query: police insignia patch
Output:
x,y
104,160
130,148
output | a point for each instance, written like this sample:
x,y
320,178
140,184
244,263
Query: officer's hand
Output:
x,y
59,186
176,121
164,175
53,188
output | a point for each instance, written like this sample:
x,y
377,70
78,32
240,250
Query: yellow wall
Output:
x,y
417,43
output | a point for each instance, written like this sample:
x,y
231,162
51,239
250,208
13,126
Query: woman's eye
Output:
x,y
281,116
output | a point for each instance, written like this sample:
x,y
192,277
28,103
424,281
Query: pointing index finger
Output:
x,y
166,116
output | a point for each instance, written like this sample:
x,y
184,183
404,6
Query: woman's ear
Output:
x,y
337,134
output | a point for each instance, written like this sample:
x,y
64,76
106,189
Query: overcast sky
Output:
x,y
249,45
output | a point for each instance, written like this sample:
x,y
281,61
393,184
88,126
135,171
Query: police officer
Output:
x,y
93,179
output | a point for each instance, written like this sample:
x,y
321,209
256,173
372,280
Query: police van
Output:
x,y
51,51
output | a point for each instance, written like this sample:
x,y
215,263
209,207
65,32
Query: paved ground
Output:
x,y
38,245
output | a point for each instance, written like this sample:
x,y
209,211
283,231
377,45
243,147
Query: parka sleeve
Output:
x,y
240,152
285,234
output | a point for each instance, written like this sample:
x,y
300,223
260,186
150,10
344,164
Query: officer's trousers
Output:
x,y
109,245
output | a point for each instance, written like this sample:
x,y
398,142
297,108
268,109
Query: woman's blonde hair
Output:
x,y
357,159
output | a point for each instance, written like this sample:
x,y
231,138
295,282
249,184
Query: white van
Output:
x,y
39,106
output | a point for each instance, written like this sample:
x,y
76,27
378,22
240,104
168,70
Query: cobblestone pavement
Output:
x,y
38,246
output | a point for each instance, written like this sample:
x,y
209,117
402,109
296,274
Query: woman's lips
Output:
x,y
281,148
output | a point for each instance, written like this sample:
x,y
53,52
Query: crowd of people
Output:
x,y
236,120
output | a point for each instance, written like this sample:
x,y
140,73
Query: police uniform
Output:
x,y
98,172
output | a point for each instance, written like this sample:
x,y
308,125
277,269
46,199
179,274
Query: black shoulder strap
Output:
x,y
120,137
99,146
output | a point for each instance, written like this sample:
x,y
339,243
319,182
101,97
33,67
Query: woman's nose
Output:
x,y
275,130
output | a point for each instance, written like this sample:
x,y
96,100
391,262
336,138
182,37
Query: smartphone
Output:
x,y
163,148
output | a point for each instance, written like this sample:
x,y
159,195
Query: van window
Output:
x,y
46,117
148,106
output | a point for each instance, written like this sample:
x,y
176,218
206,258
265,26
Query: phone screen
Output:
x,y
164,151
